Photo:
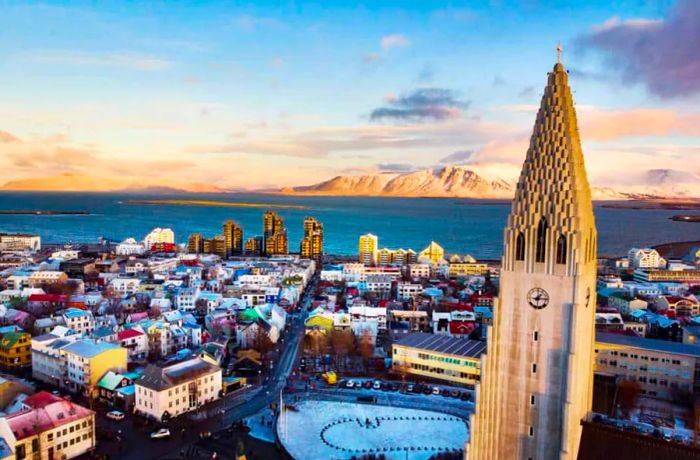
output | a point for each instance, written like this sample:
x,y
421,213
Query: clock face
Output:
x,y
538,298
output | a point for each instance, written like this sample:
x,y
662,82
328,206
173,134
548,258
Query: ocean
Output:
x,y
459,225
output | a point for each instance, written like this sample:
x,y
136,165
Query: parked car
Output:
x,y
436,391
205,435
161,434
367,384
394,386
350,384
377,385
445,392
410,388
454,393
115,415
465,396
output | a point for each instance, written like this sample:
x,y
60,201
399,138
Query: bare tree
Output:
x,y
365,345
628,392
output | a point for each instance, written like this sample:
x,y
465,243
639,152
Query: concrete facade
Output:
x,y
537,378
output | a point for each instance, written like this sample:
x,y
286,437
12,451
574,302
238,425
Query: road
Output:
x,y
136,444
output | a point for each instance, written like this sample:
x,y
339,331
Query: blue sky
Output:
x,y
263,94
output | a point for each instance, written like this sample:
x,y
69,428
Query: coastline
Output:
x,y
231,204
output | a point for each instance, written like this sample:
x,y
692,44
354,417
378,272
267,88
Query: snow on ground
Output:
x,y
339,430
262,425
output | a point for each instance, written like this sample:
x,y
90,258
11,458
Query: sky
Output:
x,y
267,95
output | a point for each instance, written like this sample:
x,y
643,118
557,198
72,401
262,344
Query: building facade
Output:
x,y
368,247
311,245
538,376
233,234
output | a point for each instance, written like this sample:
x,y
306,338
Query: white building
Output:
x,y
420,270
81,321
645,258
125,286
19,242
407,291
380,284
159,235
186,298
165,392
362,313
354,272
130,247
65,254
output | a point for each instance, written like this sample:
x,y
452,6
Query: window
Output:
x,y
541,247
520,247
535,336
534,368
561,250
532,431
532,400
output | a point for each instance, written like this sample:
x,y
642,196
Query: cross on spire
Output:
x,y
559,51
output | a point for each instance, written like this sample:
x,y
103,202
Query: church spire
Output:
x,y
552,202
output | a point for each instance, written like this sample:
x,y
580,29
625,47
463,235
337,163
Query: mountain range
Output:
x,y
475,182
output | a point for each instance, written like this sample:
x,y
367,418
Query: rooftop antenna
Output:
x,y
559,51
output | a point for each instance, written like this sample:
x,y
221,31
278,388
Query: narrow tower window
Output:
x,y
534,368
541,247
561,249
532,431
535,336
520,247
532,400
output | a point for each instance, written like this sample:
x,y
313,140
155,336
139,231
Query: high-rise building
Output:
x,y
158,235
233,234
312,243
218,246
254,246
538,379
368,247
195,243
277,244
274,234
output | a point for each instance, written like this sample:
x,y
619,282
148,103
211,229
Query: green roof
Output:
x,y
250,313
9,339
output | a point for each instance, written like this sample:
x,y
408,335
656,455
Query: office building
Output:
x,y
311,245
368,248
233,234
195,243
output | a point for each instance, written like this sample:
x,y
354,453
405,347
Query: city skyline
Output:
x,y
226,96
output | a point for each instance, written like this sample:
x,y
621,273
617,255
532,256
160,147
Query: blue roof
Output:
x,y
103,331
127,390
5,450
76,312
90,348
648,344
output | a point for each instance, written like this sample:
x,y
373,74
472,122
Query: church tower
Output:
x,y
538,371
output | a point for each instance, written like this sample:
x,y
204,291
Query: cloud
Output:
x,y
422,104
601,124
461,156
394,41
395,167
661,54
121,60
6,137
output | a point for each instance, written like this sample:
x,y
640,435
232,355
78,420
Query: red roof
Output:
x,y
41,399
47,411
128,334
462,327
47,298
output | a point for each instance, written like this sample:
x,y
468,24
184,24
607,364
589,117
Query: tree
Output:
x,y
341,344
315,342
365,344
261,342
628,392
201,306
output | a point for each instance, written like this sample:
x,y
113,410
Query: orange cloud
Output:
x,y
597,124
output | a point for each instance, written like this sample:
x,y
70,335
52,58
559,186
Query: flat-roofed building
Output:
x,y
165,392
440,357
661,367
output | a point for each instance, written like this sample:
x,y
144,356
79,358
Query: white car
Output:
x,y
436,391
115,415
350,384
377,385
161,434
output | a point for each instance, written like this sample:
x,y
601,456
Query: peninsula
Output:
x,y
232,204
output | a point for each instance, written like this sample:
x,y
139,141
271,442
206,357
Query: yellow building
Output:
x,y
433,252
254,246
195,243
368,248
233,234
15,350
439,357
89,360
311,245
319,319
467,269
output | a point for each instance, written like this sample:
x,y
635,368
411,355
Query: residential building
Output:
x,y
669,276
130,247
626,304
233,235
81,321
274,234
645,258
678,306
254,246
195,243
663,369
159,235
434,253
15,350
125,286
88,360
407,291
46,278
439,357
135,342
467,269
418,271
165,392
362,313
78,268
530,403
368,248
20,242
51,428
311,246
